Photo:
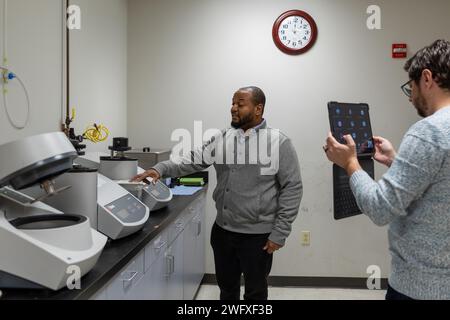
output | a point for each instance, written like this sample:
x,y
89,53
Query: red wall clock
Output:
x,y
294,32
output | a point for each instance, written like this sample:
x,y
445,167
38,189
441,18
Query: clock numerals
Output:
x,y
295,32
296,44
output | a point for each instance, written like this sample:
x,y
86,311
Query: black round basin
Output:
x,y
53,221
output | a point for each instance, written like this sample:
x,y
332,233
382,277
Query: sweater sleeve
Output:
x,y
410,175
197,160
290,194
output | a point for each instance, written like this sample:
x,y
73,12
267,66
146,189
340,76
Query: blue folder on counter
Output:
x,y
185,191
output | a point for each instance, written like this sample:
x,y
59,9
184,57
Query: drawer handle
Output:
x,y
133,275
163,243
199,228
170,265
179,225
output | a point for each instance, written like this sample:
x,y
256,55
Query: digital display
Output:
x,y
123,214
127,209
352,119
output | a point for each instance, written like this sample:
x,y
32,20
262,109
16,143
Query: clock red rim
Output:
x,y
276,27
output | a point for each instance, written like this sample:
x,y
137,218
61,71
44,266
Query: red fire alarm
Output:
x,y
399,50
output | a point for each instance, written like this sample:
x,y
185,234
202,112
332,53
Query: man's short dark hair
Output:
x,y
436,58
258,96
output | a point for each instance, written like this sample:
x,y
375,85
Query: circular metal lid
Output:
x,y
45,170
32,160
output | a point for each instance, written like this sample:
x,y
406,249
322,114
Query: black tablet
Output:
x,y
353,119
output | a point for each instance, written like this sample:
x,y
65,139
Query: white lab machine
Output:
x,y
121,169
111,209
119,212
40,246
155,196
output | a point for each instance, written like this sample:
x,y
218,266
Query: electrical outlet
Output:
x,y
306,238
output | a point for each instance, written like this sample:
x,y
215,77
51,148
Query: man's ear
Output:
x,y
427,77
259,109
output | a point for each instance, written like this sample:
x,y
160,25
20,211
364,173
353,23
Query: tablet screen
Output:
x,y
353,119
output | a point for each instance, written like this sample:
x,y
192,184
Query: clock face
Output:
x,y
294,32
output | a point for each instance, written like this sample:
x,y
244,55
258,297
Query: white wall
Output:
x,y
34,46
186,59
98,68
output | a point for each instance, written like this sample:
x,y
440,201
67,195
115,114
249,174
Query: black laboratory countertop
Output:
x,y
114,257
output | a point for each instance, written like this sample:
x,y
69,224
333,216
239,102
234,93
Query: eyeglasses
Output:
x,y
406,88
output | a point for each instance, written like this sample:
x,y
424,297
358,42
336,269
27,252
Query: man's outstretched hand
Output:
x,y
152,174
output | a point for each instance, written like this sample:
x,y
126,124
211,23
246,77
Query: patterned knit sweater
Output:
x,y
413,197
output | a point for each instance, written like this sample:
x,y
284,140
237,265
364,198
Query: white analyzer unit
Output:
x,y
40,245
154,196
119,212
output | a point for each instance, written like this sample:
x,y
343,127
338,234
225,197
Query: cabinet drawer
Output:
x,y
127,279
155,249
190,211
176,228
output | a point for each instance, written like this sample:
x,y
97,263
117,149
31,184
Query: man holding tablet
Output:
x,y
413,197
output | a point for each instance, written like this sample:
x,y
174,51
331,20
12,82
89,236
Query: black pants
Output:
x,y
393,294
237,253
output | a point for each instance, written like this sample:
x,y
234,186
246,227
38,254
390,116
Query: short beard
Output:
x,y
421,105
243,122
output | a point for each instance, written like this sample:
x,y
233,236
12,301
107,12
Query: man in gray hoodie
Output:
x,y
258,194
413,197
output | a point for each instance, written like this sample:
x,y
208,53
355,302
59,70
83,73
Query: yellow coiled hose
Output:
x,y
96,133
